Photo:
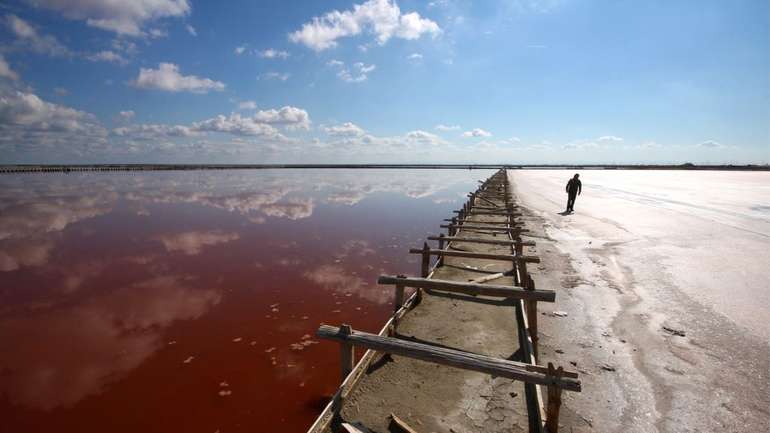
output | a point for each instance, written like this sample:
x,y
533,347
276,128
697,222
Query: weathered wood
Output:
x,y
531,307
401,424
531,392
482,241
355,428
486,278
446,356
399,301
470,288
474,255
483,227
486,200
347,355
554,402
425,265
465,221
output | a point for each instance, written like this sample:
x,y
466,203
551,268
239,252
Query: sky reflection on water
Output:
x,y
188,300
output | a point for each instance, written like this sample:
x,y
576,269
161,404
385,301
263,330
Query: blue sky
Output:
x,y
514,81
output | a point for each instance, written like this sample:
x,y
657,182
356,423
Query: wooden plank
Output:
x,y
482,241
474,255
355,428
470,288
483,227
466,221
401,424
446,356
489,212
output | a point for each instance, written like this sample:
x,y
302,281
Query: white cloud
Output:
x,y
356,74
6,71
422,137
30,124
107,56
239,50
237,125
27,110
191,30
127,115
381,18
289,116
442,127
280,76
273,54
168,78
710,144
609,138
477,132
154,131
157,33
416,57
28,38
122,17
247,105
347,129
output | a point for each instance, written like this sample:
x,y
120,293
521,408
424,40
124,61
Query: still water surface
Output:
x,y
188,301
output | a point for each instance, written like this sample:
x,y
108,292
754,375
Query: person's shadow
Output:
x,y
566,212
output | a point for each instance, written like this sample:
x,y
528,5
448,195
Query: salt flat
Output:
x,y
648,255
708,231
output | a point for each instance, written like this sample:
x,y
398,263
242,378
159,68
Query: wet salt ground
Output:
x,y
665,280
188,301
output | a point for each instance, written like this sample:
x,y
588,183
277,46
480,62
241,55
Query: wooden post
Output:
x,y
554,401
531,306
399,302
441,247
425,267
347,355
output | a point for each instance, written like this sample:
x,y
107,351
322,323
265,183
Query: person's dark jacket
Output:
x,y
574,187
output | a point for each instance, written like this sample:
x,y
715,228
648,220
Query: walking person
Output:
x,y
574,188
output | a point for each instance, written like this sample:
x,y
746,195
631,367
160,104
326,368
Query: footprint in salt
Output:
x,y
237,339
188,360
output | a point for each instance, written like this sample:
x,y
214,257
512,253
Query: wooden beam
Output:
x,y
401,424
470,288
446,356
473,255
482,241
465,221
482,227
502,212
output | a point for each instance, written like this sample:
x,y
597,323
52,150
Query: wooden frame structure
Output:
x,y
523,295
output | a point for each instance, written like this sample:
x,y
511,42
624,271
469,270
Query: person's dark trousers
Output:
x,y
571,201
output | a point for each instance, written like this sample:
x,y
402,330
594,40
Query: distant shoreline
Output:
x,y
67,168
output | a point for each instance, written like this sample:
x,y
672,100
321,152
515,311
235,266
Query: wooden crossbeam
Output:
x,y
488,212
482,241
483,227
451,357
473,255
494,290
465,221
499,208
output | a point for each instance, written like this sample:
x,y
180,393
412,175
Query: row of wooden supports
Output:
x,y
523,293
